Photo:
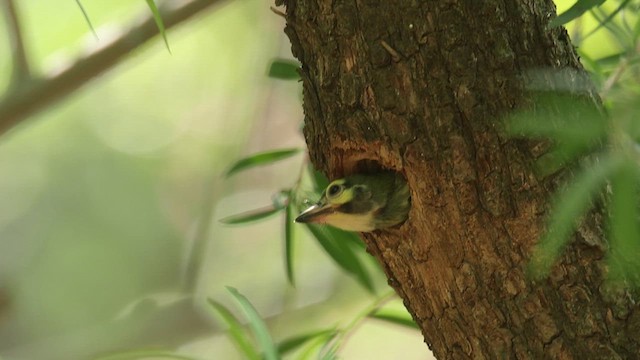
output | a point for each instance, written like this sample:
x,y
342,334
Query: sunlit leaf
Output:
x,y
343,254
569,206
579,8
393,316
159,22
609,17
623,227
636,30
618,32
611,60
257,325
295,342
86,18
284,69
236,331
144,354
251,216
577,127
289,239
329,350
346,237
261,159
320,182
316,345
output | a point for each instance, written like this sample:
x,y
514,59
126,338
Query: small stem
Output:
x,y
22,101
348,330
21,69
615,76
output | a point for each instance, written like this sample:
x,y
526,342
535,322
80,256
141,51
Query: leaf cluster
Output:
x,y
599,144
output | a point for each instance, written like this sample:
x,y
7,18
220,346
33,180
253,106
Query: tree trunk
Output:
x,y
420,87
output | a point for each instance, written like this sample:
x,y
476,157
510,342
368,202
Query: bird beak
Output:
x,y
315,214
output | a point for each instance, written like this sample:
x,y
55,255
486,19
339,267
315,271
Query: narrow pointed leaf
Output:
x,y
569,206
402,318
144,354
636,30
250,216
261,159
256,324
320,182
343,254
236,331
86,18
579,8
609,17
561,118
315,345
346,237
620,34
623,227
295,342
284,69
289,239
159,22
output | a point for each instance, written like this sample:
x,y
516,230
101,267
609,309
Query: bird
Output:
x,y
362,203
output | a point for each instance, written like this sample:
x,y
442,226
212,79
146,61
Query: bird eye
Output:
x,y
334,190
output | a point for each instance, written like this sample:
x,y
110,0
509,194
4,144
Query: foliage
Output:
x,y
324,343
159,23
601,145
343,247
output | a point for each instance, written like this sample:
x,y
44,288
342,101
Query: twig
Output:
x,y
20,71
29,97
617,73
277,12
394,54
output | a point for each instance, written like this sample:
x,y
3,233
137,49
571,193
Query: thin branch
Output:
x,y
20,72
28,98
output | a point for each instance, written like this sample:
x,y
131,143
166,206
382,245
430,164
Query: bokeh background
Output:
x,y
111,200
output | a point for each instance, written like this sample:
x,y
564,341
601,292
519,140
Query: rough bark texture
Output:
x,y
420,87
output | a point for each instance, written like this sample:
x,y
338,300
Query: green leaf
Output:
x,y
316,344
159,22
329,350
624,233
289,239
86,18
636,30
576,127
251,216
345,237
609,17
256,324
342,254
619,33
320,182
143,354
611,60
261,159
295,342
579,8
568,207
393,316
284,69
236,331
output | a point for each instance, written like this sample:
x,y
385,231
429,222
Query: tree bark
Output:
x,y
421,87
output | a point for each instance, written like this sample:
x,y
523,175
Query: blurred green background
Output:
x,y
106,195
110,200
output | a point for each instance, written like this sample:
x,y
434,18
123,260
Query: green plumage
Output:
x,y
362,203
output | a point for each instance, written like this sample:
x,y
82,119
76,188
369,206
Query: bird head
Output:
x,y
361,203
